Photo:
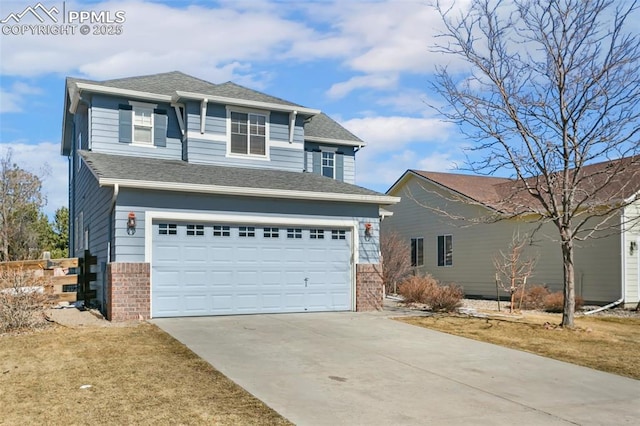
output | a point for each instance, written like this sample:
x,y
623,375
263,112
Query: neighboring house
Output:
x,y
441,217
215,199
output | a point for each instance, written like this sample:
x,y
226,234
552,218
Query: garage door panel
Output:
x,y
222,275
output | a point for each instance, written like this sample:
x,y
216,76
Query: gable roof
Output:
x,y
615,181
176,175
175,86
322,128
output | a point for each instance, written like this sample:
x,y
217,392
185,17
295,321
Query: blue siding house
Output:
x,y
215,199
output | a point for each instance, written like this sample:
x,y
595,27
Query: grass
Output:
x,y
603,343
138,375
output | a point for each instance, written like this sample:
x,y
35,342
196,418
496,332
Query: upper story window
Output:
x,y
328,164
248,133
143,125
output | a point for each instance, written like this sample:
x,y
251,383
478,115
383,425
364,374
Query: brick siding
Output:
x,y
128,291
369,288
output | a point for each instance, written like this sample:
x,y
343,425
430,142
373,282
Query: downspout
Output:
x,y
623,275
292,124
203,115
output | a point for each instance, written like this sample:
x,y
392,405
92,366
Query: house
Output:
x,y
449,221
215,199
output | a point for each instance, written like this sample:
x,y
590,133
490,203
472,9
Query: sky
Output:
x,y
367,64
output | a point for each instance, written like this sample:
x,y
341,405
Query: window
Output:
x,y
417,251
195,230
143,125
248,133
246,231
294,233
316,234
338,234
221,231
328,164
167,229
445,250
271,233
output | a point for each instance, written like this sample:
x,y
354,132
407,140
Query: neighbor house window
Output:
x,y
248,133
445,250
417,251
328,164
143,125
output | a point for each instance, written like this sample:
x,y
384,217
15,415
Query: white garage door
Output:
x,y
220,269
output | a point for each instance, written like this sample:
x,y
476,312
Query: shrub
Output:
x,y
444,298
428,290
554,302
22,300
414,289
533,298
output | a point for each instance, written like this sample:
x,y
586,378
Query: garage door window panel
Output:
x,y
246,231
167,229
271,233
195,230
316,234
294,233
221,231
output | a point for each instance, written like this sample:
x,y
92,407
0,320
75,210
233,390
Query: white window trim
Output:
x,y
143,105
281,221
267,141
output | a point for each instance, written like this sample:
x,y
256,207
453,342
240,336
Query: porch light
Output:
x,y
131,223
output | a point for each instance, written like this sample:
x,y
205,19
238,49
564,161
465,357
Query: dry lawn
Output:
x,y
603,343
138,375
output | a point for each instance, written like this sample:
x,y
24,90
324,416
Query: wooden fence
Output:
x,y
58,283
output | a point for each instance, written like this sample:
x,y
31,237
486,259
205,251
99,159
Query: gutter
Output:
x,y
254,192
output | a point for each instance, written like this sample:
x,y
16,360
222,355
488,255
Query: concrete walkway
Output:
x,y
367,369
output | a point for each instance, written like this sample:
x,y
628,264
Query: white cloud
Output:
x,y
14,99
383,134
340,90
44,160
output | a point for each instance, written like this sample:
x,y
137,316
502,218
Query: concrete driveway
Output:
x,y
367,369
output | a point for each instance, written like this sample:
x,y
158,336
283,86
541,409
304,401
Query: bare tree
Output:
x,y
553,88
514,266
396,260
20,203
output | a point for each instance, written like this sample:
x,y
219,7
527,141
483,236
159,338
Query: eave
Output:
x,y
180,95
252,192
331,141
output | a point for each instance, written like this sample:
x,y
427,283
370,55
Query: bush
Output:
x,y
414,289
22,301
554,302
428,290
445,298
533,298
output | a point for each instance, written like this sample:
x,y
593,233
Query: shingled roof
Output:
x,y
613,181
319,126
110,169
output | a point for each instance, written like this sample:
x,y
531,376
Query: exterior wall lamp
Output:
x,y
633,247
368,231
131,223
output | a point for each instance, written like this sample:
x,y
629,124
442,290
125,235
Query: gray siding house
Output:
x,y
215,199
441,215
